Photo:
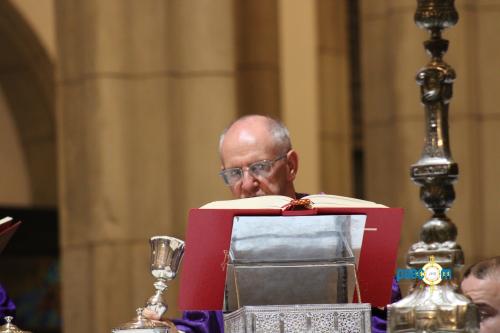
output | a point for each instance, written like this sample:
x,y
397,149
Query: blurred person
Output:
x,y
7,307
481,283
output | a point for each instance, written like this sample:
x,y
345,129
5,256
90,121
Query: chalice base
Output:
x,y
144,325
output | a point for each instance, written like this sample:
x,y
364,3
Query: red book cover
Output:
x,y
209,234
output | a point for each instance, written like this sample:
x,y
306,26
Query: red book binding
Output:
x,y
209,234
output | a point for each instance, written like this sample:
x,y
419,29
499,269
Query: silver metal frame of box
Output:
x,y
303,318
291,260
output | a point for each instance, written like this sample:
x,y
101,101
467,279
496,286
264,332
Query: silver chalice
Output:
x,y
166,256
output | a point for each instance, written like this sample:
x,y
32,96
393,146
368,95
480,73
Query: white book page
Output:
x,y
279,201
6,220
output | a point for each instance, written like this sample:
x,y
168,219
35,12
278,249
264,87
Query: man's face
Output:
x,y
243,147
486,295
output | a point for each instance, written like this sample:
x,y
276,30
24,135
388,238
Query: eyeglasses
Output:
x,y
259,169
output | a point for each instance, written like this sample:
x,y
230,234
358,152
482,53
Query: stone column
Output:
x,y
475,120
393,118
258,78
334,76
114,149
298,42
202,100
203,97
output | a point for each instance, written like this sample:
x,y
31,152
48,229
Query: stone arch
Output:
x,y
27,79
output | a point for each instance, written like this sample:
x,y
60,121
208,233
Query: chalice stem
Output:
x,y
156,302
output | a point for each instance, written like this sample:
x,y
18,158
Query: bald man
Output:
x,y
482,284
257,158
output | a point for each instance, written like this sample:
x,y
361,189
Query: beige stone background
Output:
x,y
110,110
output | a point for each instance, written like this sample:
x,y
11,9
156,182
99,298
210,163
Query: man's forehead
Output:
x,y
243,138
245,155
249,129
246,137
242,153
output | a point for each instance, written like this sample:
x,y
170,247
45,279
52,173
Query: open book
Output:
x,y
281,201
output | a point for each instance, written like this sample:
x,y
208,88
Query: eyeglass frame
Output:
x,y
242,170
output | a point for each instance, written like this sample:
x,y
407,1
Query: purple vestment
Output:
x,y
7,307
200,322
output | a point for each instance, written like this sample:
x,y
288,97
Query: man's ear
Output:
x,y
293,164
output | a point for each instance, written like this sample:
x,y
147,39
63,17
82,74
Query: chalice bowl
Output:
x,y
166,256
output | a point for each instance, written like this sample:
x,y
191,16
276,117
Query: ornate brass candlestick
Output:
x,y
428,307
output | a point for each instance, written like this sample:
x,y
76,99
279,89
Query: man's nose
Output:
x,y
248,181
